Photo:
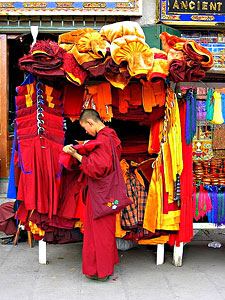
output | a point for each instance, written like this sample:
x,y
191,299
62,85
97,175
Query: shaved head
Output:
x,y
89,114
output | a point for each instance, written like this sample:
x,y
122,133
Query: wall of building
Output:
x,y
149,13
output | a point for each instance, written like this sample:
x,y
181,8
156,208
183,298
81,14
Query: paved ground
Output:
x,y
136,277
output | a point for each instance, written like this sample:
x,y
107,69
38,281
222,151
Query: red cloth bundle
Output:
x,y
83,149
198,53
74,73
48,67
170,41
194,71
47,49
177,70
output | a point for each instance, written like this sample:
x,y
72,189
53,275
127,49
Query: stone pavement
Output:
x,y
202,275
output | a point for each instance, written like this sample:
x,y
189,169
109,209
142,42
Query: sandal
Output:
x,y
95,277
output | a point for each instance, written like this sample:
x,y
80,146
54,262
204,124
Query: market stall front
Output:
x,y
132,87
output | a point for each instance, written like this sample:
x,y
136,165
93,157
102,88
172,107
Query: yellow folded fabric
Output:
x,y
135,51
116,30
120,233
159,240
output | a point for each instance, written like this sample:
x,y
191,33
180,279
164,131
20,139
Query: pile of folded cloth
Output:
x,y
118,52
47,59
188,61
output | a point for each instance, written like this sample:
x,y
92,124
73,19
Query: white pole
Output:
x,y
42,252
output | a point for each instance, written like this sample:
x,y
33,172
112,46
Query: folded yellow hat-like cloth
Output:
x,y
86,40
116,30
135,51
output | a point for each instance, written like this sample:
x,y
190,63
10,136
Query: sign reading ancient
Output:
x,y
191,12
196,6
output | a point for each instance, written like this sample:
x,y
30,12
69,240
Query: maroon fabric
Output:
x,y
39,183
29,110
177,70
99,248
97,67
194,71
69,194
99,162
138,114
109,194
21,101
73,70
42,68
45,59
49,120
7,224
49,49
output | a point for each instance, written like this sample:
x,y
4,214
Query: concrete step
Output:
x,y
3,199
3,185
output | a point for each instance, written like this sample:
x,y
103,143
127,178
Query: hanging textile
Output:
x,y
201,202
185,233
209,105
191,115
217,113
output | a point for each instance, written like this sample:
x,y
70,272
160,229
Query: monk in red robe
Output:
x,y
99,247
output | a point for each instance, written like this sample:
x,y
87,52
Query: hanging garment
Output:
x,y
148,96
50,120
11,192
131,95
40,177
133,215
223,105
191,116
100,96
201,202
217,113
155,136
209,105
29,110
185,233
73,98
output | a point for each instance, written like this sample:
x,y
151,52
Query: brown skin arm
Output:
x,y
73,152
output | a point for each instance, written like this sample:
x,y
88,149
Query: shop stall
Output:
x,y
134,89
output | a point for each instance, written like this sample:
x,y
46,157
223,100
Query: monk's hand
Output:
x,y
70,150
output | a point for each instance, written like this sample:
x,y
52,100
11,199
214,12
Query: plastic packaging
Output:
x,y
214,245
125,244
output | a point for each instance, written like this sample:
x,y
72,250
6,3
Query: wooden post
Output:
x,y
4,106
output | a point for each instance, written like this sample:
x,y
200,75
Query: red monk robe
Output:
x,y
99,247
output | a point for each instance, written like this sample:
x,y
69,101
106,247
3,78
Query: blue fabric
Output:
x,y
11,193
223,105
